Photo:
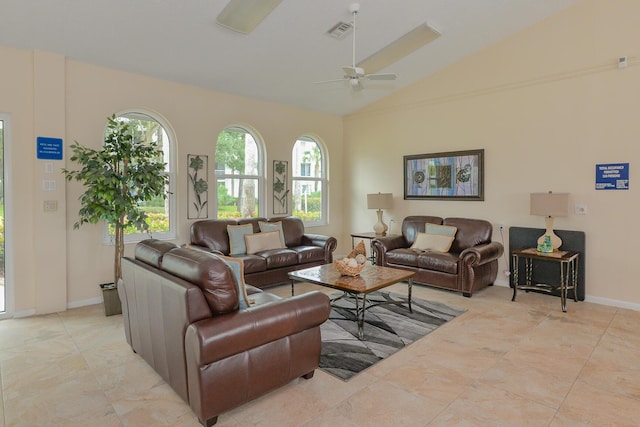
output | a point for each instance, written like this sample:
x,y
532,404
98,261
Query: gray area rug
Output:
x,y
387,329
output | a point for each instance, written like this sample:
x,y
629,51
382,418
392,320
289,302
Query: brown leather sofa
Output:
x,y
181,314
470,264
272,266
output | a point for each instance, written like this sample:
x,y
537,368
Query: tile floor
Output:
x,y
501,363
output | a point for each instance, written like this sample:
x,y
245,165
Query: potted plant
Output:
x,y
126,171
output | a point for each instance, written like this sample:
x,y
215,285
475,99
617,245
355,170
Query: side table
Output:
x,y
367,236
568,261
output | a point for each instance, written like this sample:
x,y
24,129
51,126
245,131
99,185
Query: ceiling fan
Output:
x,y
355,75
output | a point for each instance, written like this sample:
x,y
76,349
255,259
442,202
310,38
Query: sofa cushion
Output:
x,y
293,230
432,242
273,226
237,245
438,261
212,234
263,242
412,225
277,258
237,266
403,256
309,254
214,277
151,251
253,263
471,232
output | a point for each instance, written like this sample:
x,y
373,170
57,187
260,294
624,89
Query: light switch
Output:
x,y
48,185
50,206
580,209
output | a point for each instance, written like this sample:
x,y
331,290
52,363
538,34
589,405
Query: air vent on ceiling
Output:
x,y
340,30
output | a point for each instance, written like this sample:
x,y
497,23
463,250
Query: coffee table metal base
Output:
x,y
363,303
372,278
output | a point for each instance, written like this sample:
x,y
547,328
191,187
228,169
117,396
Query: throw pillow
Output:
x,y
432,242
237,266
236,238
444,230
263,242
273,226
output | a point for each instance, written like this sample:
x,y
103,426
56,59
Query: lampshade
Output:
x,y
549,204
379,201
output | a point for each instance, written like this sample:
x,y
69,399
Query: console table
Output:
x,y
369,235
568,262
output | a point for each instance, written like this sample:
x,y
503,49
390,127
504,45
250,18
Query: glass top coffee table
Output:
x,y
371,278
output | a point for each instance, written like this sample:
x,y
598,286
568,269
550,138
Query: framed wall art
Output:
x,y
280,187
198,186
454,175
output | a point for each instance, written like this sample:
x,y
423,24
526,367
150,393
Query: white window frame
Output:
x,y
261,161
9,278
323,179
109,239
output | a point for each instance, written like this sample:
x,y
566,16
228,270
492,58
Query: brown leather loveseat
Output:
x,y
181,311
269,266
470,264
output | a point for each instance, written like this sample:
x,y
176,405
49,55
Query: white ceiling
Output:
x,y
280,61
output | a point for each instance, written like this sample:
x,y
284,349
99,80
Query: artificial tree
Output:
x,y
125,172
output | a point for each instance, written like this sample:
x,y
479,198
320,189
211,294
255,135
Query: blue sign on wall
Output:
x,y
49,148
612,176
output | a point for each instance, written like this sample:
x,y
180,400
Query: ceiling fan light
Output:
x,y
405,45
244,16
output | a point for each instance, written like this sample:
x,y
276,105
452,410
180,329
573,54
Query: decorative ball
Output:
x,y
361,259
351,262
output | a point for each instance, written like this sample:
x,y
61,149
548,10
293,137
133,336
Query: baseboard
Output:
x,y
588,298
24,313
83,303
613,302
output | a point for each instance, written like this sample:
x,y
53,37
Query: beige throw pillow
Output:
x,y
263,241
432,242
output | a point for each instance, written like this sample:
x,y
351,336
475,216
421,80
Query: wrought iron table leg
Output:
x,y
564,273
409,293
360,314
514,260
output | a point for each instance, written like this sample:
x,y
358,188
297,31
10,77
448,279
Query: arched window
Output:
x,y
161,212
239,174
310,184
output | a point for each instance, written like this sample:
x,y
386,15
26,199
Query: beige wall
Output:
x,y
80,97
547,105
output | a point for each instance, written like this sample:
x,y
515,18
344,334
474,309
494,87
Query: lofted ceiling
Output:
x,y
282,58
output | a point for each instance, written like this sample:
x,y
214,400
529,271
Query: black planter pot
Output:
x,y
111,299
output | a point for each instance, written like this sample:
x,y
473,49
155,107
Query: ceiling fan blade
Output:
x,y
381,76
353,71
330,81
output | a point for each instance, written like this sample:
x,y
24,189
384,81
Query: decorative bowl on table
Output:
x,y
354,262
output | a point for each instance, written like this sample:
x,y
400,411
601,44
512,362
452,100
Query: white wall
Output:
x,y
85,95
547,105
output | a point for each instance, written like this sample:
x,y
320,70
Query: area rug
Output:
x,y
387,329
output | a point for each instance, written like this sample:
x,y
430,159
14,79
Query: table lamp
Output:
x,y
549,205
380,201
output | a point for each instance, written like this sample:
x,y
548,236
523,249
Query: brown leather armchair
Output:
x,y
470,264
181,314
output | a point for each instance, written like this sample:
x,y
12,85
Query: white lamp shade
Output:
x,y
379,201
550,204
